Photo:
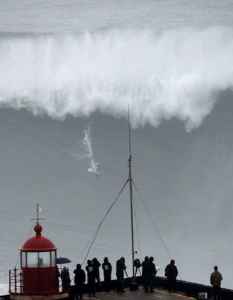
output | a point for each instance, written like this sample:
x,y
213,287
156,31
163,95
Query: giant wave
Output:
x,y
159,75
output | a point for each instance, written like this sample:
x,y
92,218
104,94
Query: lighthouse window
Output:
x,y
44,259
23,259
53,258
32,259
38,259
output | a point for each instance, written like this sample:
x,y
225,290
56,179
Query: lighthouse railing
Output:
x,y
15,281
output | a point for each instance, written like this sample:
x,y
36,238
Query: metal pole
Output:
x,y
131,200
131,211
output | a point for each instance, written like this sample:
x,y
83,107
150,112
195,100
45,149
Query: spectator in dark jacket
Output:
x,y
144,263
90,278
171,272
96,265
65,279
120,268
215,281
79,280
150,272
107,270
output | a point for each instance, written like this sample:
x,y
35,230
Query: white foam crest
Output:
x,y
94,167
171,74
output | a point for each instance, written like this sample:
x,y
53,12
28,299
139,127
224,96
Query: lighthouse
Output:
x,y
38,276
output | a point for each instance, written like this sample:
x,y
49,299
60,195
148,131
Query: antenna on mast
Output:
x,y
129,132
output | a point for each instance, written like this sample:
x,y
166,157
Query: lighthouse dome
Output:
x,y
38,242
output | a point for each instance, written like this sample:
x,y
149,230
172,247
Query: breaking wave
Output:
x,y
159,75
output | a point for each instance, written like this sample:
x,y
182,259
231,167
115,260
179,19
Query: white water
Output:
x,y
172,74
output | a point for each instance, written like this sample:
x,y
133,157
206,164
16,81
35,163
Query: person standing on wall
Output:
x,y
107,270
144,264
79,280
96,264
171,273
215,281
65,279
150,272
90,278
120,268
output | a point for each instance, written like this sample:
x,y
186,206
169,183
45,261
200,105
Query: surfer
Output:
x,y
97,168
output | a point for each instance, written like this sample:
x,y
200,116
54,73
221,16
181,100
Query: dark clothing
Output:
x,y
143,270
120,268
149,273
144,266
171,272
96,265
216,292
107,269
215,281
90,279
79,277
79,280
65,279
137,266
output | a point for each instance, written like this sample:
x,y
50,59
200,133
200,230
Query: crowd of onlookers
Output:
x,y
92,276
148,272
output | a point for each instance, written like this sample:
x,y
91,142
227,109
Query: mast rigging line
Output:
x,y
98,228
153,224
152,221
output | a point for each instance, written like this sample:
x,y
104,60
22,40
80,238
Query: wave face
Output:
x,y
159,76
69,74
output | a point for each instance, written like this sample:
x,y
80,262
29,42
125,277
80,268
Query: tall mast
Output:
x,y
131,200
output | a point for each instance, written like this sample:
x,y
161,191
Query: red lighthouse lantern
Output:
x,y
38,264
39,275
